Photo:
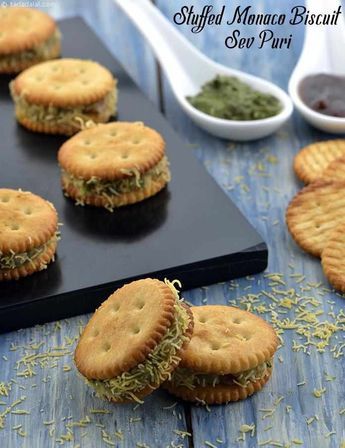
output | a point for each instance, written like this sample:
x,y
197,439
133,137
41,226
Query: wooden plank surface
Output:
x,y
37,363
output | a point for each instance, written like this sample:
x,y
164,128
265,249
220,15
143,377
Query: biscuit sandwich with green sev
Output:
x,y
27,37
28,233
113,165
134,340
64,96
229,357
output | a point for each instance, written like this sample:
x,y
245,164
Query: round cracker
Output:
x,y
228,340
314,212
125,329
333,258
312,160
110,151
335,171
151,387
46,127
26,221
68,129
219,394
30,267
23,28
64,83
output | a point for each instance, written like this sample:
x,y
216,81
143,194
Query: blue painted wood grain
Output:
x,y
258,177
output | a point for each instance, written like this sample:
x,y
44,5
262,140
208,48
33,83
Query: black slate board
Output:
x,y
190,231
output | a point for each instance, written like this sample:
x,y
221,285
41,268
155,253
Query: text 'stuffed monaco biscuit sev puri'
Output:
x,y
63,96
229,357
314,212
333,257
113,165
28,233
27,37
134,340
311,161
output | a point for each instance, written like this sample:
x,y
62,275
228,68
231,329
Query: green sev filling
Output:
x,y
40,52
73,116
186,378
134,181
110,189
15,260
155,369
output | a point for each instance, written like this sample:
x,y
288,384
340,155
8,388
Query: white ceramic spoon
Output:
x,y
187,70
323,52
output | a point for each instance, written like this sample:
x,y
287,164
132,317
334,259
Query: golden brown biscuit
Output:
x,y
219,393
335,170
64,96
314,212
333,257
228,358
134,340
39,262
114,164
28,36
312,160
28,233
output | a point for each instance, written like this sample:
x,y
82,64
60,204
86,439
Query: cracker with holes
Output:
x,y
314,212
333,258
114,164
27,37
335,170
229,357
311,161
134,340
28,233
64,96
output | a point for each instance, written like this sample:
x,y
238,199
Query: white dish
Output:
x,y
323,52
187,69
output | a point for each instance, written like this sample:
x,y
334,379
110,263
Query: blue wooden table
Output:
x,y
44,403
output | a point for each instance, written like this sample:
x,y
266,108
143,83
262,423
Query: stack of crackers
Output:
x,y
315,216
